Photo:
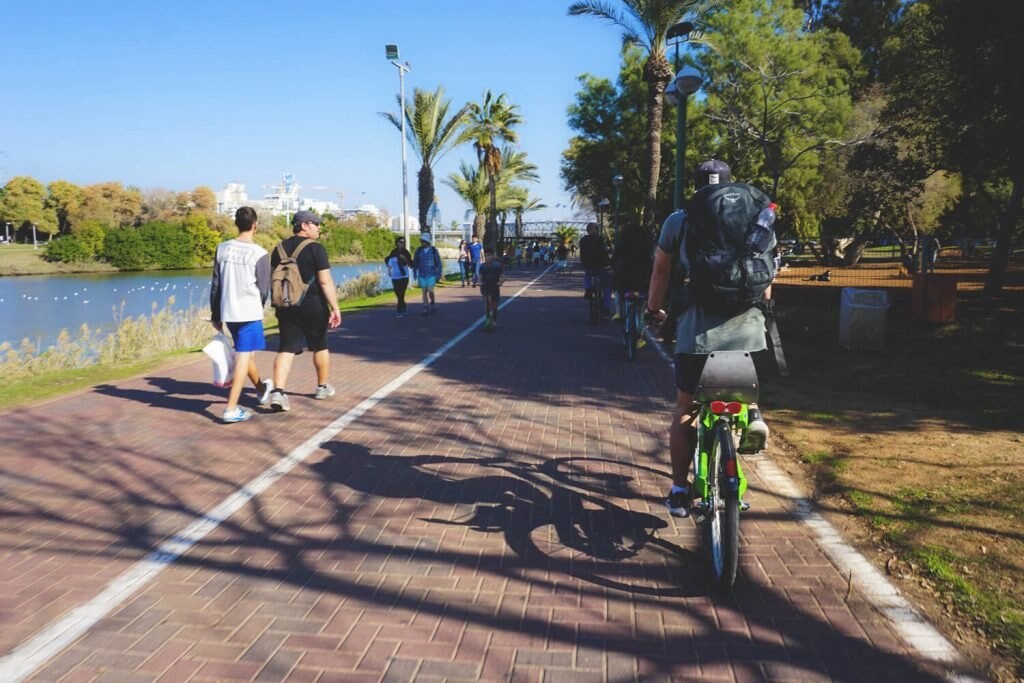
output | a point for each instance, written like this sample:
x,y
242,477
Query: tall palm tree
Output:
x,y
492,121
431,133
470,183
523,203
645,23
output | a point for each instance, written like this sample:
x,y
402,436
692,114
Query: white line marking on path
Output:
x,y
915,631
23,661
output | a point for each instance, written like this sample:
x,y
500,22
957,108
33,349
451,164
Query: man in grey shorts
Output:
x,y
699,331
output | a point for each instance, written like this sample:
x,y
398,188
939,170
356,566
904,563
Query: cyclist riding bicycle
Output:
x,y
706,324
631,263
595,261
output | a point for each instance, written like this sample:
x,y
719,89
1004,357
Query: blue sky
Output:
x,y
175,95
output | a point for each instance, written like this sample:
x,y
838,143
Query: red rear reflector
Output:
x,y
730,468
718,407
734,408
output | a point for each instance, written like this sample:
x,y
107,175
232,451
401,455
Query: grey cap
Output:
x,y
304,216
425,237
712,172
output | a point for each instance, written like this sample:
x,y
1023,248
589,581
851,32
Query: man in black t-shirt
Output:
x,y
491,277
310,320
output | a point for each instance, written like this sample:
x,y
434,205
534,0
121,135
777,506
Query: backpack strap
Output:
x,y
298,249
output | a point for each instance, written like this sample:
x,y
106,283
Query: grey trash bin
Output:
x,y
862,319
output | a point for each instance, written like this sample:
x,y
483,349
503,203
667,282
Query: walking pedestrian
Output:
x,y
238,293
476,254
310,319
399,261
464,262
428,267
491,277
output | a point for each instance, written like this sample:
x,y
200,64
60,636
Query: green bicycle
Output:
x,y
633,322
727,385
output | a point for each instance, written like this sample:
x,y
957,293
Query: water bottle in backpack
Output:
x,y
760,234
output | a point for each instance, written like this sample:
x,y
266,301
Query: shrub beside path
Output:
x,y
495,515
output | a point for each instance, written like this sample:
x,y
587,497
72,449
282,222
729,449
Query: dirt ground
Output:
x,y
916,453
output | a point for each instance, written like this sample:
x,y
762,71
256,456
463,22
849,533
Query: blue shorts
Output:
x,y
248,336
427,282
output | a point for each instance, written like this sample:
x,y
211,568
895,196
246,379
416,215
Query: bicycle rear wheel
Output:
x,y
632,331
722,526
595,305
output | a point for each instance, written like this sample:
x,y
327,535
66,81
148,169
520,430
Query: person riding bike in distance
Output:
x,y
595,261
711,321
631,263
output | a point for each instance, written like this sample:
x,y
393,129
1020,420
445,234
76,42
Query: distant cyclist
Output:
x,y
723,311
631,263
595,260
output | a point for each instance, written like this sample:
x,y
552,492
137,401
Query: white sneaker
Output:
x,y
324,391
239,414
266,387
279,401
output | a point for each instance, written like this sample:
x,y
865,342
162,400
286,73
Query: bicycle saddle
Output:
x,y
728,376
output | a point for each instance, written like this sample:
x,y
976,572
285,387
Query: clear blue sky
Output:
x,y
175,95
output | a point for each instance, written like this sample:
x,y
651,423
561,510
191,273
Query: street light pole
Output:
x,y
686,82
392,55
617,182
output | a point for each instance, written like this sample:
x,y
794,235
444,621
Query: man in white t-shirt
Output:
x,y
238,293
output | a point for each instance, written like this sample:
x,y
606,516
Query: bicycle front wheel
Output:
x,y
723,510
631,331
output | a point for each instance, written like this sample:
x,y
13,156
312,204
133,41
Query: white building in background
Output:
x,y
232,198
282,199
414,224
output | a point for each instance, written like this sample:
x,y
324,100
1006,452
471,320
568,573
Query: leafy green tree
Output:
x,y
954,79
166,245
521,203
92,235
24,204
124,250
645,23
431,133
203,200
203,239
778,95
64,198
492,122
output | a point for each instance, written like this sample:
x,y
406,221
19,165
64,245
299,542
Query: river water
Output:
x,y
38,307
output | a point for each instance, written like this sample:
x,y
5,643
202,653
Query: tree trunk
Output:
x,y
479,225
1001,255
492,214
425,187
657,74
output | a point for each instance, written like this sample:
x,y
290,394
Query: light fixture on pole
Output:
x,y
686,82
602,208
617,183
392,54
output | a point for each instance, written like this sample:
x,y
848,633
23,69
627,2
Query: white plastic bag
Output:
x,y
223,356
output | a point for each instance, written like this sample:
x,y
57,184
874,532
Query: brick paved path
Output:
x,y
498,517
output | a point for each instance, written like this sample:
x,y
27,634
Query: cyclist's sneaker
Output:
x,y
616,316
679,503
279,401
264,390
756,434
323,391
641,342
239,414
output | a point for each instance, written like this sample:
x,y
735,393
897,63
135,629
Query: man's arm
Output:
x,y
215,294
263,277
660,278
326,282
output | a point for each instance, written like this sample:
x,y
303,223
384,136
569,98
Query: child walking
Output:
x,y
491,277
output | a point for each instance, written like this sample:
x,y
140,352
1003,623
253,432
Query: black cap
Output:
x,y
712,172
304,216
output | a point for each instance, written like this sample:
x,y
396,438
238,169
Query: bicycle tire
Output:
x,y
723,515
631,334
595,305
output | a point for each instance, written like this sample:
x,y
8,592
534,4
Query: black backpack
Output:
x,y
725,276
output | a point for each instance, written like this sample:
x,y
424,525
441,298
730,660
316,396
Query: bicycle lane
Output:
x,y
500,515
92,482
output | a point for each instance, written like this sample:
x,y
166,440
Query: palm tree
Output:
x,y
645,23
492,121
432,133
523,203
470,183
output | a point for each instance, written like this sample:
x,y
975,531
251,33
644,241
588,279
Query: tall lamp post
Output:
x,y
686,82
392,55
602,208
617,183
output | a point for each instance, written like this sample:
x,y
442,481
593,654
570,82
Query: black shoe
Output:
x,y
679,503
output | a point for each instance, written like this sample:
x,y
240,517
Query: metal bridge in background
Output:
x,y
531,230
